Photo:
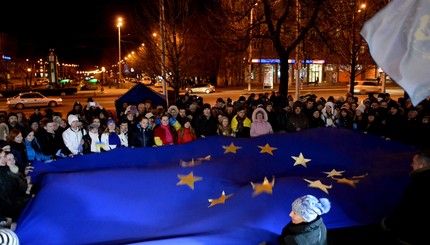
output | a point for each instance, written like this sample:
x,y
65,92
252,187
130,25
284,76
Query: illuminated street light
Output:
x,y
119,49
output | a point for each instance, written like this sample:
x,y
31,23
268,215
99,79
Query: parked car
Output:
x,y
33,99
146,81
366,87
201,88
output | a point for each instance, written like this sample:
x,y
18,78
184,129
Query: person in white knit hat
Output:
x,y
306,226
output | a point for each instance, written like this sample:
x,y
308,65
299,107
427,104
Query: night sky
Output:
x,y
80,32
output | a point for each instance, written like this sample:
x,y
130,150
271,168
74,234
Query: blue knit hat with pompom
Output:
x,y
309,207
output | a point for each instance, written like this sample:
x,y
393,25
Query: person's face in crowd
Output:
x,y
297,110
141,107
412,114
383,104
426,119
36,111
193,108
269,107
393,110
123,127
63,124
229,110
219,104
130,116
148,106
320,107
182,112
370,118
309,104
187,125
343,113
353,106
358,113
75,124
225,122
165,120
49,127
259,116
13,120
416,164
18,139
19,117
316,114
220,117
295,218
111,126
374,105
144,123
96,121
207,112
30,136
173,113
10,159
95,130
241,113
34,126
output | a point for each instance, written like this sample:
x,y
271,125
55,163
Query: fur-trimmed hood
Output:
x,y
259,110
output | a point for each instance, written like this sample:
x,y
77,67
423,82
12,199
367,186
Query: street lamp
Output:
x,y
119,49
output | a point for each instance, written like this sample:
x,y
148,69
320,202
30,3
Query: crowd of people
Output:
x,y
90,128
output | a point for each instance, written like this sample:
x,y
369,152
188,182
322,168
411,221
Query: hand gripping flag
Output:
x,y
399,41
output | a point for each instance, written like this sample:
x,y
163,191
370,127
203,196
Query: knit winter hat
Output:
x,y
71,118
309,207
7,236
110,121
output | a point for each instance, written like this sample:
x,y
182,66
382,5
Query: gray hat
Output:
x,y
309,207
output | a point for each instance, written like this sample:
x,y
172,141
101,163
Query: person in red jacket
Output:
x,y
186,133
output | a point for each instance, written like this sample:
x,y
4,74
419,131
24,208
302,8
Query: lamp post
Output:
x,y
119,49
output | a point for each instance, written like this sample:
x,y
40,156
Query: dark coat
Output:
x,y
141,137
312,233
51,143
409,220
206,126
13,196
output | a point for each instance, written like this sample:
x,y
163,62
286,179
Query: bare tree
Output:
x,y
173,43
285,23
340,25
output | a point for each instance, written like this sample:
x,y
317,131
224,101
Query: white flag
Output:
x,y
399,41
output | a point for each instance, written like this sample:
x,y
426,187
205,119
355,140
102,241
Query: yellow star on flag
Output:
x,y
334,173
350,182
188,180
319,185
231,148
266,186
300,160
220,200
267,149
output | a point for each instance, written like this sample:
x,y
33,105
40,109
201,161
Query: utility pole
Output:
x,y
298,62
163,58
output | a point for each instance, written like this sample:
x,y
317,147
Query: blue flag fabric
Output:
x,y
213,190
399,40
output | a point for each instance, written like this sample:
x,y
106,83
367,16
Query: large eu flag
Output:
x,y
217,190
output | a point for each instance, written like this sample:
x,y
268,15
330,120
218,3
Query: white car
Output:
x,y
33,99
366,87
201,88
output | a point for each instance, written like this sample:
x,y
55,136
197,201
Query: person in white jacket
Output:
x,y
72,136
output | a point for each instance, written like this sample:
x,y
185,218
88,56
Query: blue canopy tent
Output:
x,y
137,94
203,192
